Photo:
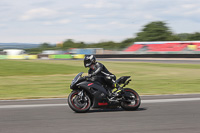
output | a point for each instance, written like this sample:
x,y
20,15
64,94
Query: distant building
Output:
x,y
14,51
2,53
50,52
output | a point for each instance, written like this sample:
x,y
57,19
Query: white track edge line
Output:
x,y
143,101
66,98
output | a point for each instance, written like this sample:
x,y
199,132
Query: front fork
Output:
x,y
81,96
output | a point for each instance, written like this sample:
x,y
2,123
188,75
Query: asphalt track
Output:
x,y
157,114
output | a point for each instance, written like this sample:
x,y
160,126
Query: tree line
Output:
x,y
153,31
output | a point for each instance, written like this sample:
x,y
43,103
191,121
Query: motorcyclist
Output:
x,y
100,71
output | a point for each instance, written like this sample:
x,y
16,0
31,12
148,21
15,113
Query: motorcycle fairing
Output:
x,y
97,92
122,79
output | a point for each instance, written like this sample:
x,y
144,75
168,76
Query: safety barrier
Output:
x,y
3,56
29,57
165,46
78,56
81,56
148,56
65,56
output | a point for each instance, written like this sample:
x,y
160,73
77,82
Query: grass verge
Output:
x,y
20,79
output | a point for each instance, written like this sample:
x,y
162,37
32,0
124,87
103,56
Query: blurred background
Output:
x,y
47,27
43,43
61,31
155,38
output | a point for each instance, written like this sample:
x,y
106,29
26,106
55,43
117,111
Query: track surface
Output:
x,y
156,60
157,114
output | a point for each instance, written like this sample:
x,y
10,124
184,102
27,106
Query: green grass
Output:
x,y
51,78
23,68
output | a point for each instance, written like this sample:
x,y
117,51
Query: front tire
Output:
x,y
131,101
77,105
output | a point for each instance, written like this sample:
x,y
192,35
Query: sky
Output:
x,y
91,21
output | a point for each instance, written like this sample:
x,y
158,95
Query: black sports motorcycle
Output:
x,y
88,93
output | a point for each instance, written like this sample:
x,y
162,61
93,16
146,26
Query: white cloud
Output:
x,y
193,12
88,38
96,26
113,26
38,13
56,22
94,20
185,26
181,10
48,23
151,17
189,6
63,21
102,4
89,16
2,25
117,24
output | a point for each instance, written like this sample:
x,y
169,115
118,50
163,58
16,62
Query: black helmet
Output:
x,y
89,60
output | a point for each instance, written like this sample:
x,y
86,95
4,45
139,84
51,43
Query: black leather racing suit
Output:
x,y
102,75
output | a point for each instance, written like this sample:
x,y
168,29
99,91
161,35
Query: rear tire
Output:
x,y
76,105
134,98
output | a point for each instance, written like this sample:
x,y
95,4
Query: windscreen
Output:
x,y
77,77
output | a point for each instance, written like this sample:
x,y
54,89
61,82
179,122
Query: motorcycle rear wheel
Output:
x,y
76,105
133,102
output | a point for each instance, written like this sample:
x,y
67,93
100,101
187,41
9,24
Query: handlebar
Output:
x,y
90,76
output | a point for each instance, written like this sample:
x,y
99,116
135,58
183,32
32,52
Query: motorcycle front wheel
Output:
x,y
78,104
131,100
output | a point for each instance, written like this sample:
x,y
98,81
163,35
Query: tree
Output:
x,y
45,45
71,44
183,36
127,42
68,44
156,31
195,36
